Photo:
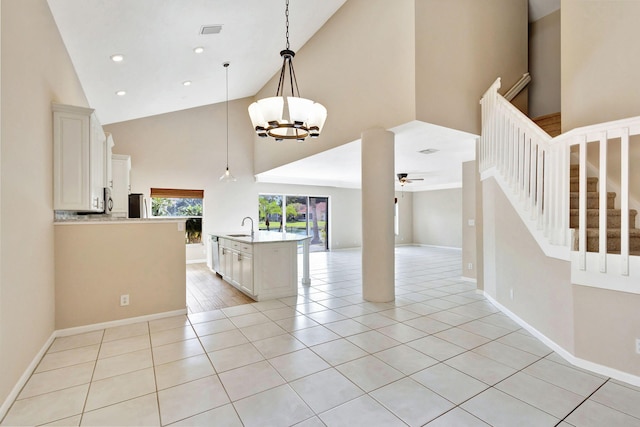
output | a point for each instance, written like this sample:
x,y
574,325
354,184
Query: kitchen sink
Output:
x,y
239,235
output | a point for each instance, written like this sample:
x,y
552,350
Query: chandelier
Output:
x,y
287,117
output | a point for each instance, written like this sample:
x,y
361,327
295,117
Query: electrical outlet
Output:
x,y
511,293
638,345
470,266
472,222
124,300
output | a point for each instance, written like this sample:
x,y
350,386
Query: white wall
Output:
x,y
361,66
542,291
462,46
544,65
437,218
36,70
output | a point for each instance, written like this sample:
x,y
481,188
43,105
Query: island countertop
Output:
x,y
261,237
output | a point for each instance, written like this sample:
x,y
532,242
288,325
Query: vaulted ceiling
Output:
x,y
157,39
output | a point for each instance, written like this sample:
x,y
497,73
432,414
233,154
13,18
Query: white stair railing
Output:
x,y
533,170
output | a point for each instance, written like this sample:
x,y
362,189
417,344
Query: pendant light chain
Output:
x,y
286,15
226,68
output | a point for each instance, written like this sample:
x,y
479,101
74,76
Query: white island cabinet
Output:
x,y
265,267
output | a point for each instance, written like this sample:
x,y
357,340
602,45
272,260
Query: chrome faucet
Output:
x,y
250,219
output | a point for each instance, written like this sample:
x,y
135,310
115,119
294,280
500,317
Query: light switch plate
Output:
x,y
180,226
472,222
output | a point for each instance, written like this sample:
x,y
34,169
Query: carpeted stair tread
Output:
x,y
592,184
614,218
613,240
613,233
596,212
593,200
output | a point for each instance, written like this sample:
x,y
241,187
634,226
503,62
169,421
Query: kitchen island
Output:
x,y
263,266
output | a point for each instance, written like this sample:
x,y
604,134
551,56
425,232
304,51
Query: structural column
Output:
x,y
378,239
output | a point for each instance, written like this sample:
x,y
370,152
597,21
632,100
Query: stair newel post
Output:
x,y
624,201
582,203
602,206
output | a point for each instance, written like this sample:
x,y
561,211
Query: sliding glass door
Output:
x,y
308,215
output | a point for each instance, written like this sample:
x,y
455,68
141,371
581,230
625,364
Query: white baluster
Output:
x,y
602,207
624,201
582,204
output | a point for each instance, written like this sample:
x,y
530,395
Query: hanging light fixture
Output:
x,y
291,117
226,176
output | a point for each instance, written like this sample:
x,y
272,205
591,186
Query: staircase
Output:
x,y
551,123
534,170
614,217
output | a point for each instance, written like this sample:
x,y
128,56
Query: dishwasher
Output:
x,y
215,254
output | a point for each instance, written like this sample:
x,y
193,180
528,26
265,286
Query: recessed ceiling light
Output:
x,y
429,151
117,57
186,83
121,93
198,49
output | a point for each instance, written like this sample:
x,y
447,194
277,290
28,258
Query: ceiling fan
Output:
x,y
403,178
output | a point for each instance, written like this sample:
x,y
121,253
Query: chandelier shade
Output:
x,y
287,117
305,118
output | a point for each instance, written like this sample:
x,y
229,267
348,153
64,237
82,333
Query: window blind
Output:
x,y
174,193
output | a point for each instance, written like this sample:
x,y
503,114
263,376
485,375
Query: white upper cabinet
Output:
x,y
79,150
121,171
108,168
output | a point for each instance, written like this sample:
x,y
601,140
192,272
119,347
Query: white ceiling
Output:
x,y
157,38
341,166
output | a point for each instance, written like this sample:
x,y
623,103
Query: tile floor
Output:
x,y
440,355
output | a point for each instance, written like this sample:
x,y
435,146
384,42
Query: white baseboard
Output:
x,y
6,405
581,363
22,381
197,261
468,279
455,248
114,323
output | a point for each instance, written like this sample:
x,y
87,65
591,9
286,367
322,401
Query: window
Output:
x,y
175,203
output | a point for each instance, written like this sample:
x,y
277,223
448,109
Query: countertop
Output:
x,y
261,236
107,219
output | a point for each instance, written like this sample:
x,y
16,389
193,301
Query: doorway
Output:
x,y
307,215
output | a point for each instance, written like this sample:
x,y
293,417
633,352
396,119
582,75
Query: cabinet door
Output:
x,y
78,159
71,155
97,164
246,272
121,167
108,162
236,268
224,254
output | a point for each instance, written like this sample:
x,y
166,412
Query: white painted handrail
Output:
x,y
534,169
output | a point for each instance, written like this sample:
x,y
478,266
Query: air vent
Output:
x,y
210,29
428,151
